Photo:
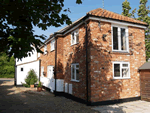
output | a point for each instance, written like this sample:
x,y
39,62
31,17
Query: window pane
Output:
x,y
77,37
73,39
77,66
73,72
116,70
115,38
123,39
77,74
125,72
125,65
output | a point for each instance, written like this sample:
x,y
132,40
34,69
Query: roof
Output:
x,y
108,14
99,13
145,66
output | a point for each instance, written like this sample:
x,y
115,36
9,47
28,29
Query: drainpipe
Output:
x,y
55,65
15,80
86,46
39,68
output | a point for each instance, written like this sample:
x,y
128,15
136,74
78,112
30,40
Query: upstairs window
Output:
x,y
121,70
45,49
75,37
120,38
75,72
52,45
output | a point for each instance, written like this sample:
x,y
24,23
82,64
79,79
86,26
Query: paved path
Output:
x,y
127,107
23,100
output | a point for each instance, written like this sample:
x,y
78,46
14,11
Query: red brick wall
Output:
x,y
47,59
75,54
145,84
103,86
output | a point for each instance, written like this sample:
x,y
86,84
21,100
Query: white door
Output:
x,y
50,72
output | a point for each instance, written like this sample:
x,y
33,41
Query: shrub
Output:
x,y
31,78
39,85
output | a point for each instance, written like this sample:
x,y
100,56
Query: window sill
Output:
x,y
120,52
74,44
52,50
75,80
121,78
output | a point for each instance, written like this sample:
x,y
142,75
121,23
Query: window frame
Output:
x,y
119,38
121,67
52,44
75,31
45,49
75,76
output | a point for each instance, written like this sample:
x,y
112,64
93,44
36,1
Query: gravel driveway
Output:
x,y
25,100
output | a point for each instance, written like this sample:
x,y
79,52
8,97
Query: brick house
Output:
x,y
96,58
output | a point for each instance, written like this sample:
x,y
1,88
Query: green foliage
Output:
x,y
39,85
147,46
126,9
7,68
17,19
143,15
31,78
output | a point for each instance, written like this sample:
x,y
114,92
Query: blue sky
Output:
x,y
78,11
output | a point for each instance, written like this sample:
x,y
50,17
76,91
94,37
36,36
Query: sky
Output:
x,y
79,10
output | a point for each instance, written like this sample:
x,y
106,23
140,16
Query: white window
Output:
x,y
52,45
75,72
120,40
75,37
121,70
45,49
42,71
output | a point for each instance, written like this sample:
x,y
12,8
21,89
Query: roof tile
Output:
x,y
112,15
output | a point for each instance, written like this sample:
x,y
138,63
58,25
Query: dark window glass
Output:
x,y
115,38
21,69
123,39
116,70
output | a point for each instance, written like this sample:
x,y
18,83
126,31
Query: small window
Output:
x,y
120,38
45,49
121,70
22,69
75,37
75,72
52,45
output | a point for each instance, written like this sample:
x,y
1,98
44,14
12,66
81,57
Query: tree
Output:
x,y
17,18
7,68
126,9
143,15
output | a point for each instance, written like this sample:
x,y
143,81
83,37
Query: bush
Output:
x,y
31,78
39,85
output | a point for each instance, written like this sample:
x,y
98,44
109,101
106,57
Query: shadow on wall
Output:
x,y
102,87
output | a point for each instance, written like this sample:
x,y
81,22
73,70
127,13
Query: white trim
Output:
x,y
75,76
116,22
121,67
75,36
52,45
45,49
42,70
119,38
99,19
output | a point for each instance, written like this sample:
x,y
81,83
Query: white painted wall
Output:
x,y
21,75
50,83
33,57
